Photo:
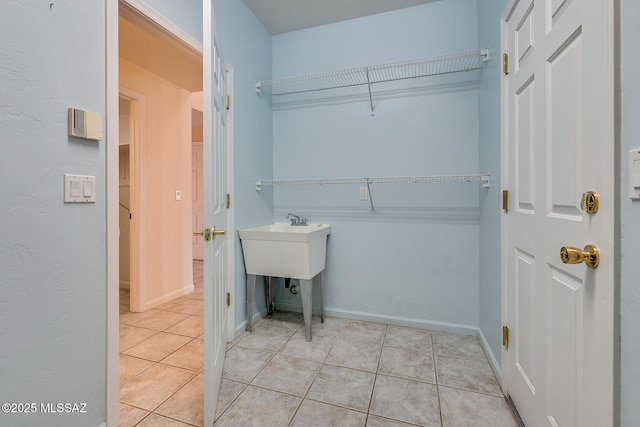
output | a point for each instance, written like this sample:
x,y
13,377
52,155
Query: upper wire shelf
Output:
x,y
446,64
484,178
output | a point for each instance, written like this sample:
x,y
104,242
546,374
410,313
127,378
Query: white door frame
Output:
x,y
112,183
136,170
231,240
113,218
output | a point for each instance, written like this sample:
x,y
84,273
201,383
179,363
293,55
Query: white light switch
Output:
x,y
75,189
178,195
634,174
79,189
88,189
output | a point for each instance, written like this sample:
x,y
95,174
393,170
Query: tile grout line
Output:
x,y
375,380
435,371
322,364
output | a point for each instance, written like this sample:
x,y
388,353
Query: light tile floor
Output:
x,y
161,361
353,373
357,373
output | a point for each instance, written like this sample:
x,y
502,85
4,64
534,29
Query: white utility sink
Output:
x,y
285,250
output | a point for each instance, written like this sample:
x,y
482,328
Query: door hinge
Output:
x,y
228,200
505,200
227,102
228,299
505,336
505,63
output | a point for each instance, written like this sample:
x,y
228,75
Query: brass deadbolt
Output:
x,y
590,202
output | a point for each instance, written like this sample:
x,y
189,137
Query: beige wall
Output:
x,y
165,166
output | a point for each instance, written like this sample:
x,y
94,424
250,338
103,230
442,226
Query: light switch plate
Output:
x,y
79,189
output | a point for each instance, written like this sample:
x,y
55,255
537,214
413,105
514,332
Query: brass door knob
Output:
x,y
206,233
590,255
209,233
215,232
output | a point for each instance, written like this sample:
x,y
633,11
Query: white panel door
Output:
x,y
215,213
559,130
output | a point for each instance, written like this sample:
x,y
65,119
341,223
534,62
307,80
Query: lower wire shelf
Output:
x,y
483,178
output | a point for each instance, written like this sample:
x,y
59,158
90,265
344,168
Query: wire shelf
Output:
x,y
484,178
446,64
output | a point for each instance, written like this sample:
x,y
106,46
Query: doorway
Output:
x,y
158,303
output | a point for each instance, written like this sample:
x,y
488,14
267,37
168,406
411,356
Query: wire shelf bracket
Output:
x,y
369,75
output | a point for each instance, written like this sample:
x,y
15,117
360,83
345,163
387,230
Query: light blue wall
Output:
x,y
404,263
52,255
630,219
186,14
490,214
246,46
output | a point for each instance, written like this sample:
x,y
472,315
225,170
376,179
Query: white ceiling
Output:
x,y
282,16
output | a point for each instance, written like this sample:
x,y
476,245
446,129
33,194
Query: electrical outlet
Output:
x,y
178,195
364,194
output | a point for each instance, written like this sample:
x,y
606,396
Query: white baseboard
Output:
x,y
390,320
495,366
168,297
242,326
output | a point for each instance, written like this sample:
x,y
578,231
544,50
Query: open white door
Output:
x,y
215,214
559,143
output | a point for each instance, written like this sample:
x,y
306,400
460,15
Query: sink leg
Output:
x,y
318,280
306,289
270,296
251,287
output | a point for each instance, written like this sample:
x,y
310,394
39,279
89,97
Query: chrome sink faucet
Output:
x,y
296,220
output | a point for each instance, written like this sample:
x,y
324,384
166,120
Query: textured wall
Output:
x,y
246,47
186,14
52,254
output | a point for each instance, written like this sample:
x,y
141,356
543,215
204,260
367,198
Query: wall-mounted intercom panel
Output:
x,y
634,174
84,124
